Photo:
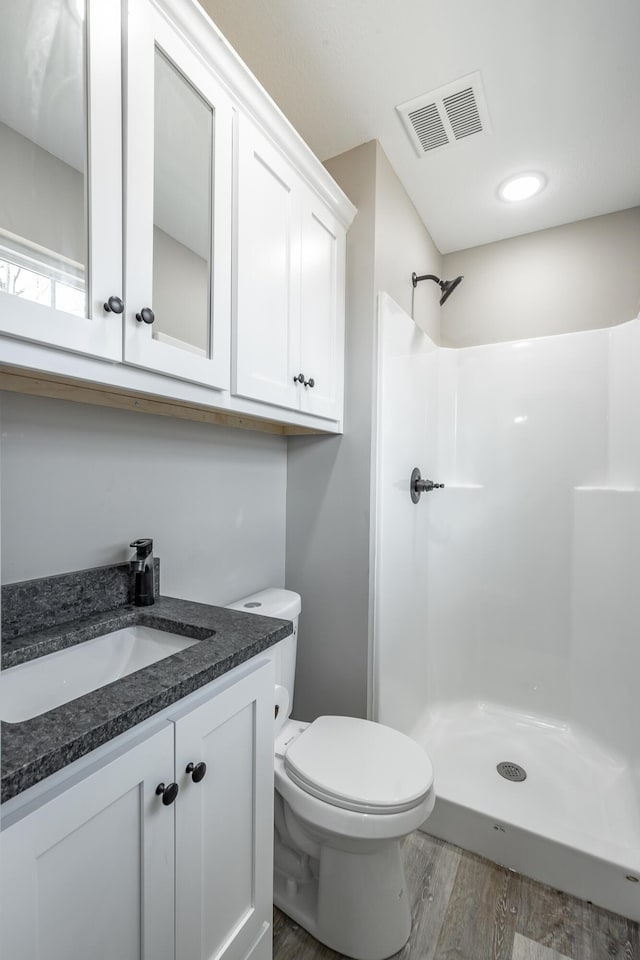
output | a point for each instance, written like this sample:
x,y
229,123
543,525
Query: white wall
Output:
x,y
579,276
407,430
79,483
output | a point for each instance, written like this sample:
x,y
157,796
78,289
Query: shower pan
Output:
x,y
506,612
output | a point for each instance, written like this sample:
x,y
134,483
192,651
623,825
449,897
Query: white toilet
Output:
x,y
347,791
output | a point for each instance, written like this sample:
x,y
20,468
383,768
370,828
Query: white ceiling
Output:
x,y
561,79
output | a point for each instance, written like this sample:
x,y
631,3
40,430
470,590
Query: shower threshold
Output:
x,y
573,823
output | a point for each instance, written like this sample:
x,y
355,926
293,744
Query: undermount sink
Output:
x,y
32,688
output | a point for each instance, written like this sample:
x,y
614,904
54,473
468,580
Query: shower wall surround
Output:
x,y
507,611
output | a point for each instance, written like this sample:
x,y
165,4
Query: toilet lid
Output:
x,y
359,765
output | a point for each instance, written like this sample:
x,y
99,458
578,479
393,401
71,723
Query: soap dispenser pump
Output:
x,y
142,567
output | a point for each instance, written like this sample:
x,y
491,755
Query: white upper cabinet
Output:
x,y
267,327
60,175
289,318
212,272
322,291
178,205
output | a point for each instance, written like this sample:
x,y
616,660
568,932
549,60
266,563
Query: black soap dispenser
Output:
x,y
142,567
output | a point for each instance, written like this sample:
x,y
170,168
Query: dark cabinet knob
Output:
x,y
146,315
299,378
197,772
310,382
168,793
114,305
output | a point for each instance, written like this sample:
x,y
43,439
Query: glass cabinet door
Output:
x,y
178,208
60,180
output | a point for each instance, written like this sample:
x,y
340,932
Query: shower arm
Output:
x,y
415,279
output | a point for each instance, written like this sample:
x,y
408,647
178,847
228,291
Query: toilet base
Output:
x,y
357,905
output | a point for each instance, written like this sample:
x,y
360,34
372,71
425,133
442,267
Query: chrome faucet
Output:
x,y
142,567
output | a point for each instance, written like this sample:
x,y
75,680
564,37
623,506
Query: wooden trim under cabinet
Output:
x,y
34,383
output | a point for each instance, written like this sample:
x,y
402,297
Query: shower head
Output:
x,y
446,286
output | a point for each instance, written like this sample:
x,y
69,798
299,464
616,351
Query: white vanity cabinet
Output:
x,y
90,873
105,869
289,318
224,823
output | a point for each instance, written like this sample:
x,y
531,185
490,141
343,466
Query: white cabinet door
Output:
x,y
178,205
90,873
60,174
224,823
322,291
266,345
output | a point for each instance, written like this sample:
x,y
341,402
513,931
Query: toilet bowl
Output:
x,y
347,792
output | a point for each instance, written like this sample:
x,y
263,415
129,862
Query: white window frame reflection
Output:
x,y
46,277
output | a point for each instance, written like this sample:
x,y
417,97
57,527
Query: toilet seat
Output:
x,y
359,765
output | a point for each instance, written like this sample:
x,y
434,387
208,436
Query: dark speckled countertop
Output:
x,y
36,748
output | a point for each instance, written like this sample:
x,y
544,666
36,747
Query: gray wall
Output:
x,y
402,247
579,276
41,198
180,291
327,491
79,483
328,481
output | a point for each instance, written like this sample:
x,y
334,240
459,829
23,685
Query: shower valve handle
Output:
x,y
424,486
418,485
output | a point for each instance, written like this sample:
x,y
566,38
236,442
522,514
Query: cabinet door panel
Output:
x,y
224,823
263,948
321,309
179,131
90,873
60,203
266,348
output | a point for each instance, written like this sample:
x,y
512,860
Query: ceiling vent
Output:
x,y
443,116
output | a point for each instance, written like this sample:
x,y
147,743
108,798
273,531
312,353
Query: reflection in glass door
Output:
x,y
43,135
183,152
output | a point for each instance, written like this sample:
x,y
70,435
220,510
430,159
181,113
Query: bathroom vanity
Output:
x,y
137,818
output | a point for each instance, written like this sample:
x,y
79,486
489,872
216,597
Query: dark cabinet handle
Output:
x,y
146,314
299,378
168,793
310,382
114,305
197,772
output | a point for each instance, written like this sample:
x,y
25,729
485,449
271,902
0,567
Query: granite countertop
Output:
x,y
36,748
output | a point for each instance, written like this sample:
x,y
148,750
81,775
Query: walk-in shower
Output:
x,y
506,634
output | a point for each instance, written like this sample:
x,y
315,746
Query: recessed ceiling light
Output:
x,y
521,187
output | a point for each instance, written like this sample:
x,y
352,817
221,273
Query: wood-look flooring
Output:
x,y
467,908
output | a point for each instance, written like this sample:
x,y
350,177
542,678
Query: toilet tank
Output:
x,y
286,605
